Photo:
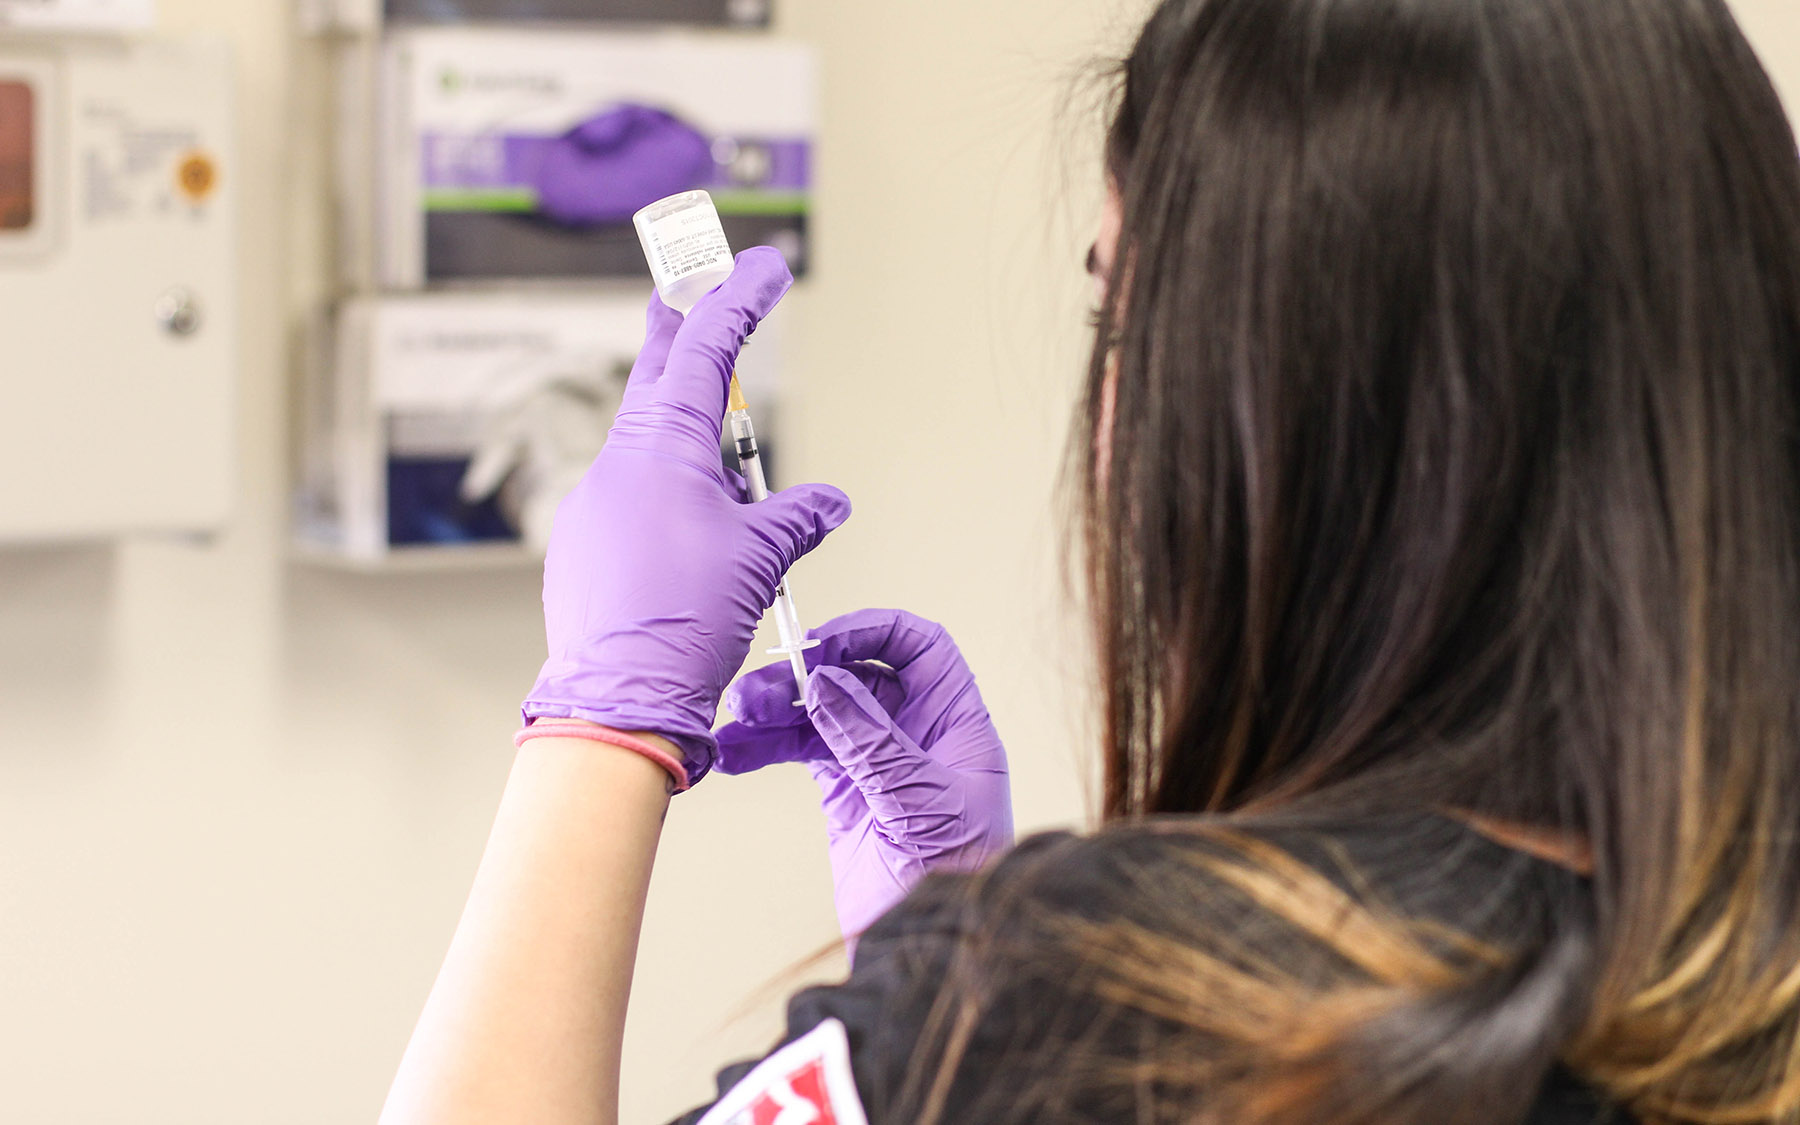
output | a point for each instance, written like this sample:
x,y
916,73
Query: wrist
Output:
x,y
682,718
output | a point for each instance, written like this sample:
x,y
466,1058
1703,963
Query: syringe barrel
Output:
x,y
787,618
793,639
749,457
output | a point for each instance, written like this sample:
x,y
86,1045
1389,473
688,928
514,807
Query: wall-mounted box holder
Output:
x,y
454,423
501,154
366,16
77,15
117,281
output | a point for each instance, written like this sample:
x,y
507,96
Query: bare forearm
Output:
x,y
527,1016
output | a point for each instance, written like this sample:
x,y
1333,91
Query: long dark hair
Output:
x,y
1442,451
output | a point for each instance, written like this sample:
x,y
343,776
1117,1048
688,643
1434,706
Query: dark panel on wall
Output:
x,y
485,247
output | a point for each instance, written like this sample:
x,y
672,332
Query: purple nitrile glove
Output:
x,y
611,165
658,571
912,771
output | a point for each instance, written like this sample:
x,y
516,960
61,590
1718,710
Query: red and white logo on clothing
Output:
x,y
807,1082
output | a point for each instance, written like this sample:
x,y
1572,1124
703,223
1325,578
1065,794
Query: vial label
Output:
x,y
688,242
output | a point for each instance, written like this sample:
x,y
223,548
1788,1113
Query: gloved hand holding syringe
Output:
x,y
689,257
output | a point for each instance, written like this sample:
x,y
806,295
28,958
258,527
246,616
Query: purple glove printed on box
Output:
x,y
912,771
608,167
658,571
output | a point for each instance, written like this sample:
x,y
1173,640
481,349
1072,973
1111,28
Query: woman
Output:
x,y
1443,513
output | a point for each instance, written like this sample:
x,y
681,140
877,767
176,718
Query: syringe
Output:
x,y
787,618
689,256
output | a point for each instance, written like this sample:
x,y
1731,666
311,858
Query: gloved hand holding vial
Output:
x,y
689,257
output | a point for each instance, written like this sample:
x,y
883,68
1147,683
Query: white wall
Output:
x,y
240,801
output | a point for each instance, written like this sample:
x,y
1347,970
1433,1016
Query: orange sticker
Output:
x,y
197,176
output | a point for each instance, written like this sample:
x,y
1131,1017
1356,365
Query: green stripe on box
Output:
x,y
481,199
762,202
525,201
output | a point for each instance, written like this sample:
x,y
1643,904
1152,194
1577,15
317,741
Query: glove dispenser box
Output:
x,y
449,426
117,287
502,154
370,15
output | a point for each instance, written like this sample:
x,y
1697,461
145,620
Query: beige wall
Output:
x,y
240,801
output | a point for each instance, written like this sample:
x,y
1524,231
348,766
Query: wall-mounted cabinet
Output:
x,y
117,287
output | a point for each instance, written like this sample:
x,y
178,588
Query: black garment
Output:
x,y
1146,876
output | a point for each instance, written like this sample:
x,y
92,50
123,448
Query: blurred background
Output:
x,y
247,768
